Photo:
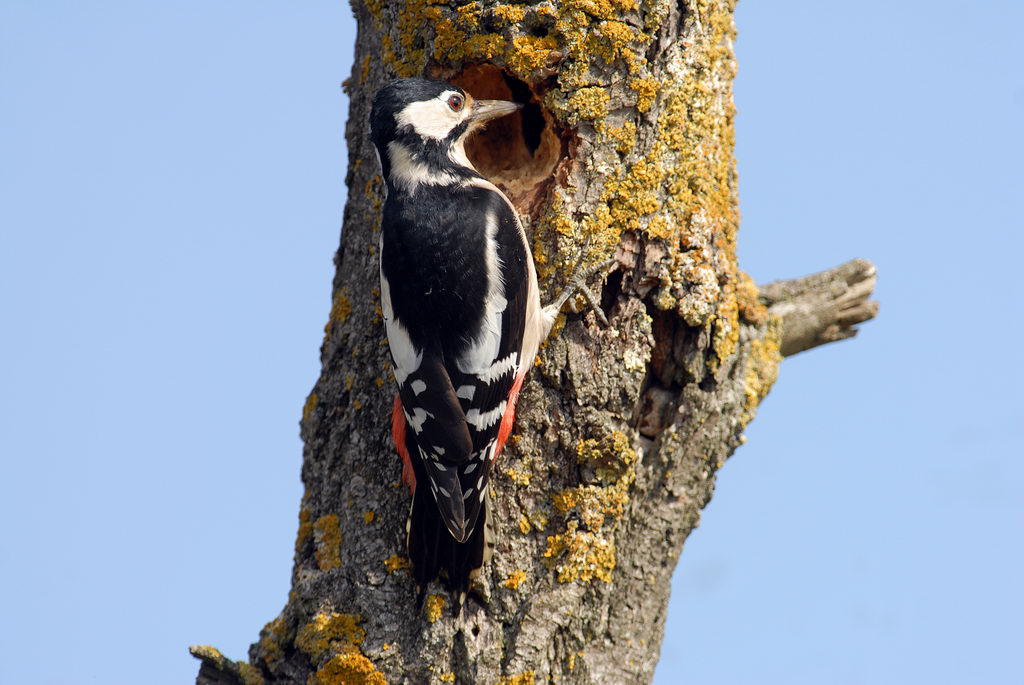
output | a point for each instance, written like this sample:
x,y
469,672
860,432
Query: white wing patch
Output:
x,y
418,418
479,356
466,392
418,386
481,421
538,321
499,368
405,355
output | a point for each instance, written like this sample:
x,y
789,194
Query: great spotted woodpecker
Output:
x,y
463,318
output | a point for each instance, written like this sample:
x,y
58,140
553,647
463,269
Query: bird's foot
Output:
x,y
578,284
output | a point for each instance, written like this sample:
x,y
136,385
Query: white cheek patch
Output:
x,y
431,118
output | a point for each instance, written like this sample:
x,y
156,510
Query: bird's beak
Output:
x,y
485,110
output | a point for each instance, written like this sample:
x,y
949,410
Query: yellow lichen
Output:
x,y
208,653
519,476
623,137
330,632
524,524
515,579
762,369
611,456
447,677
646,90
539,521
368,517
433,606
350,668
530,53
589,553
580,556
310,406
527,678
341,309
250,675
594,503
590,103
395,563
272,637
305,528
510,13
572,659
327,534
752,310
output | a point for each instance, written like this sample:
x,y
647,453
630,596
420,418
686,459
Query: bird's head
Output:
x,y
420,127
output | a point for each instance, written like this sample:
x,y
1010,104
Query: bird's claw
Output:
x,y
578,284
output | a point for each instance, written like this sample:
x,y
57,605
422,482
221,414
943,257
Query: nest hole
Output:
x,y
519,152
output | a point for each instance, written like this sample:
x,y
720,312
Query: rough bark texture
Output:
x,y
626,149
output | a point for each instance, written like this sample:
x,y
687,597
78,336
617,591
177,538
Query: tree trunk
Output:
x,y
625,149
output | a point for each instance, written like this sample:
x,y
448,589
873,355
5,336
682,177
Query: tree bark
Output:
x,y
625,149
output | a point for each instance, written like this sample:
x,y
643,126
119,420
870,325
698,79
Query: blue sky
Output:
x,y
171,190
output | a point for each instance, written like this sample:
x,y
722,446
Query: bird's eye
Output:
x,y
456,102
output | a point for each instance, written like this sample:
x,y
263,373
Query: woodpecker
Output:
x,y
463,317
